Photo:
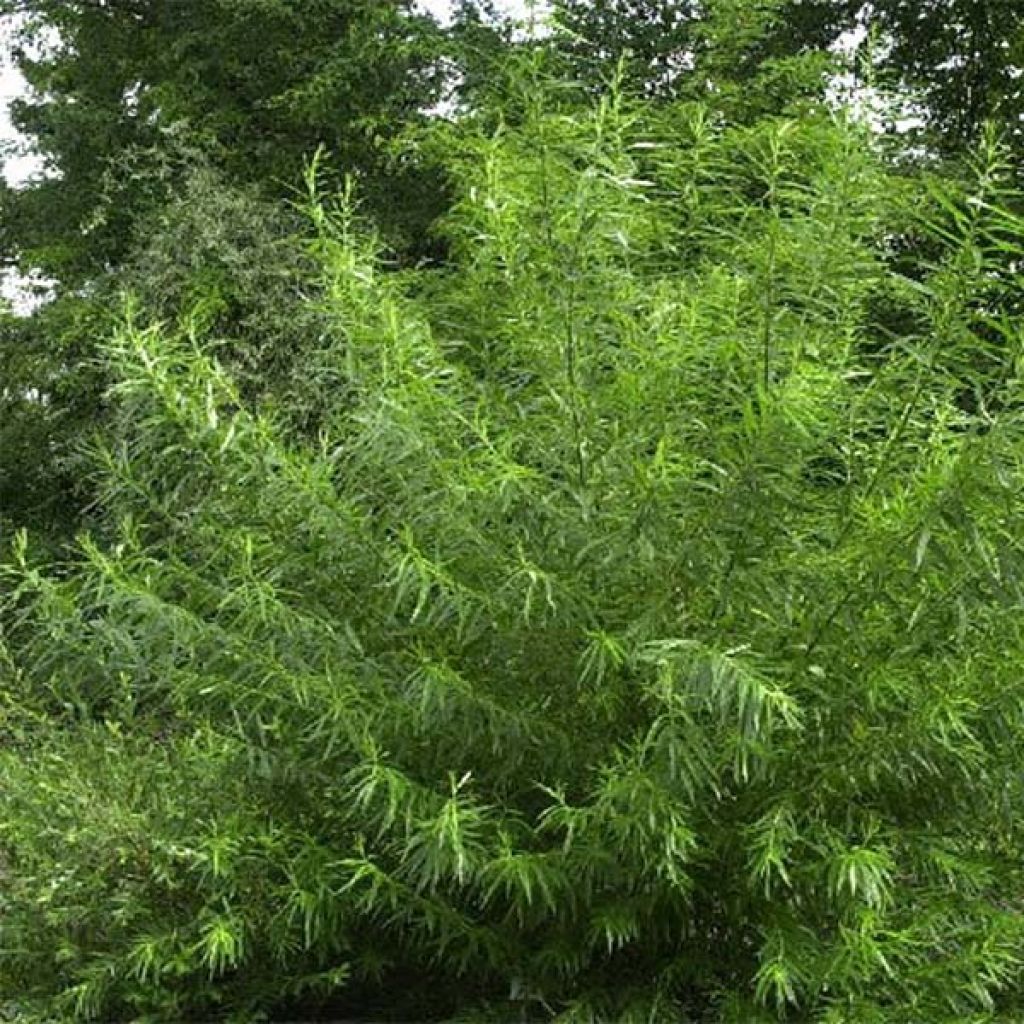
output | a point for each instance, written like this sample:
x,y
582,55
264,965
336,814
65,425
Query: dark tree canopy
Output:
x,y
258,86
128,103
966,57
685,47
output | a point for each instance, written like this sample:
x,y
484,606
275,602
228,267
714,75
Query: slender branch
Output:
x,y
573,382
769,311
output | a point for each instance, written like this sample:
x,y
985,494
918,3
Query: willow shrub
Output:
x,y
639,639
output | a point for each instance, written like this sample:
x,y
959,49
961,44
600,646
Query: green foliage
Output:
x,y
49,402
258,85
171,137
636,639
218,258
960,60
734,52
965,57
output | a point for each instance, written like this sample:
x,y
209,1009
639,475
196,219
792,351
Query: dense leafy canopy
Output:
x,y
586,591
697,47
130,101
961,60
259,85
965,57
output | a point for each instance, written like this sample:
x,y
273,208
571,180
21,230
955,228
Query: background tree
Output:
x,y
226,257
961,59
131,104
259,86
696,49
965,58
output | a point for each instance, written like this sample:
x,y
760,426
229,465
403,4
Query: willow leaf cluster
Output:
x,y
637,638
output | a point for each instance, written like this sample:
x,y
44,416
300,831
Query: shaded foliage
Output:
x,y
967,58
169,134
961,60
214,257
697,49
258,85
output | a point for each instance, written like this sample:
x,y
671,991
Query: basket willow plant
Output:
x,y
639,639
